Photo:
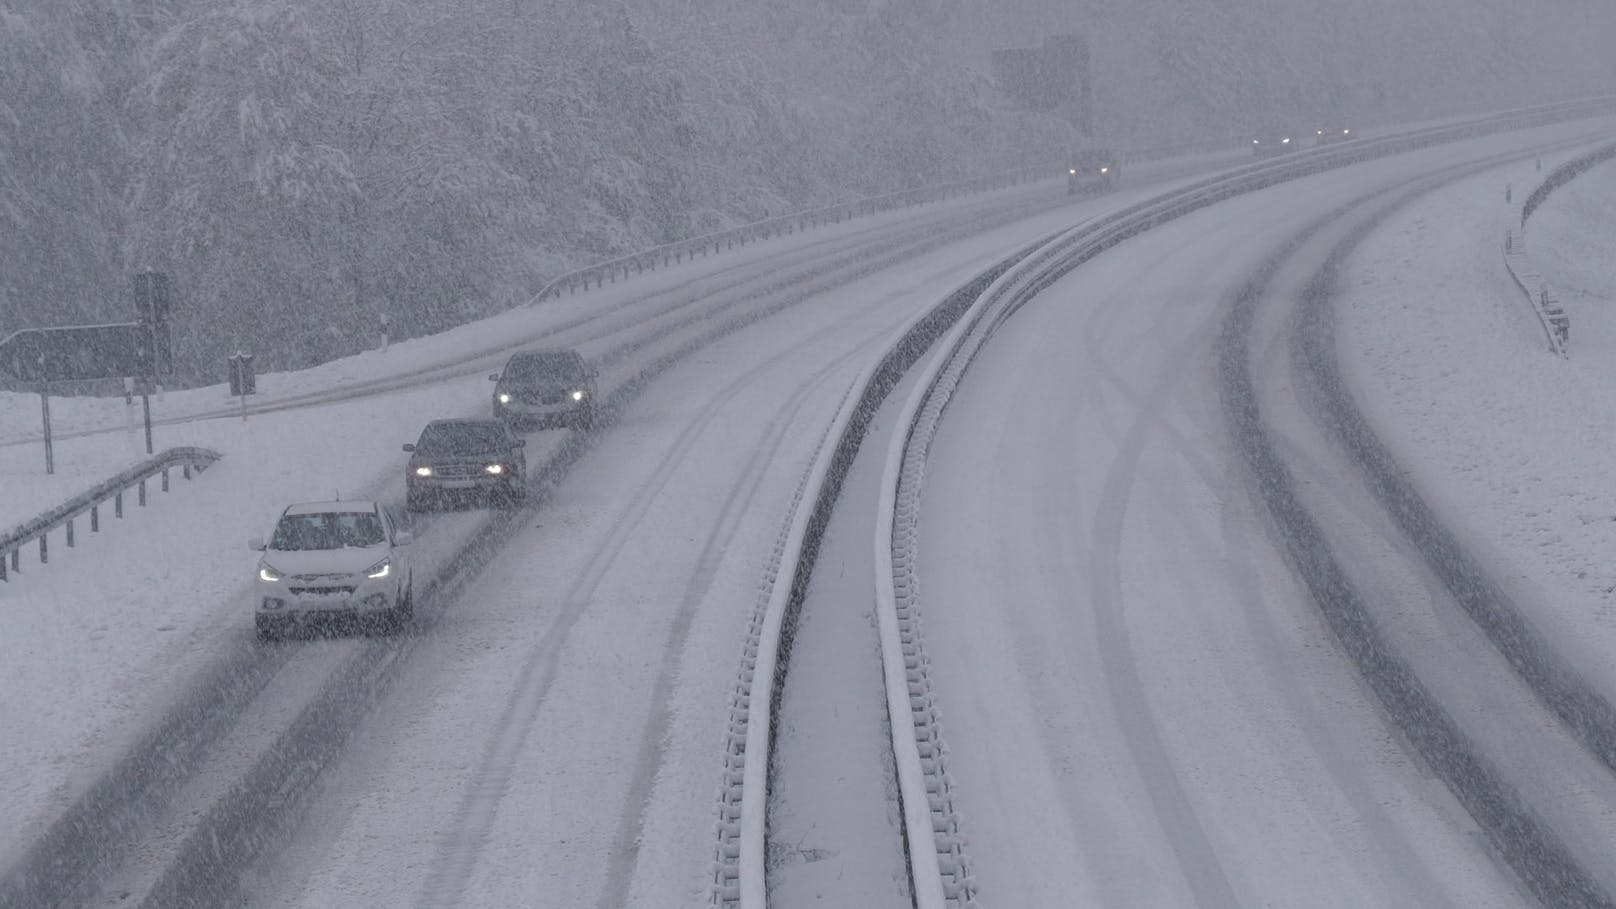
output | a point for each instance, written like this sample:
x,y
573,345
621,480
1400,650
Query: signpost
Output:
x,y
79,353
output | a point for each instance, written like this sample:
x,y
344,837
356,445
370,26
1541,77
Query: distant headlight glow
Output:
x,y
1072,171
495,469
266,572
380,570
423,471
504,398
1105,170
578,395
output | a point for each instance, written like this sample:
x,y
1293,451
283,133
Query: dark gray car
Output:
x,y
543,388
465,459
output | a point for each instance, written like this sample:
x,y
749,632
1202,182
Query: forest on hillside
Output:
x,y
313,173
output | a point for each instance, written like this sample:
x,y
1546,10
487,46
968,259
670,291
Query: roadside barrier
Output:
x,y
188,461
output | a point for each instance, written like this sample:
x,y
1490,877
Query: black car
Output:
x,y
1093,170
465,459
545,388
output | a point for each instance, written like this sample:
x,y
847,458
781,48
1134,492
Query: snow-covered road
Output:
x,y
1144,707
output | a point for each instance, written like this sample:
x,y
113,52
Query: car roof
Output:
x,y
356,506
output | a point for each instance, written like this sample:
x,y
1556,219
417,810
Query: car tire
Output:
x,y
399,617
513,494
269,630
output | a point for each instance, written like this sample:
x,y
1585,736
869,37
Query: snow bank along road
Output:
x,y
1145,704
586,687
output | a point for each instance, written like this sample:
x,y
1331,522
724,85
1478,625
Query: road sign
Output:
x,y
78,352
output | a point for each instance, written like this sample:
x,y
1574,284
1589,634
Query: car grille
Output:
x,y
324,591
549,398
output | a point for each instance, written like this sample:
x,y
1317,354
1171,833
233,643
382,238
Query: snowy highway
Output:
x,y
1144,706
1142,702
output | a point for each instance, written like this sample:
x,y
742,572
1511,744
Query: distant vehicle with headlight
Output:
x,y
1329,135
465,459
545,388
333,561
1272,142
1093,170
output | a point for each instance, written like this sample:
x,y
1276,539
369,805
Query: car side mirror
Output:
x,y
256,544
403,538
493,377
409,446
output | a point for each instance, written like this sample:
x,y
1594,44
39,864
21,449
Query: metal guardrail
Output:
x,y
671,253
187,460
1562,175
1556,324
611,270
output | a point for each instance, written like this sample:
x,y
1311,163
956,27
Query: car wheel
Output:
x,y
398,618
269,630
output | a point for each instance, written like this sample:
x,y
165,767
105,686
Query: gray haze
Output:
x,y
307,168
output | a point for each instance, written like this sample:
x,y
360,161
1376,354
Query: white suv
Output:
x,y
333,560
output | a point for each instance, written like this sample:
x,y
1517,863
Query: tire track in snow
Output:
x,y
1180,823
1533,851
1232,547
458,852
625,855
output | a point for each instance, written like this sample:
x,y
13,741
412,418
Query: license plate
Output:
x,y
457,484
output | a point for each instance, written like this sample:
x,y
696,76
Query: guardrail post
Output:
x,y
2,566
69,533
142,492
117,504
95,518
165,479
44,551
16,560
185,470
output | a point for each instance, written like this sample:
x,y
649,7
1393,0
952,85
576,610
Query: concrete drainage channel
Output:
x,y
67,862
939,867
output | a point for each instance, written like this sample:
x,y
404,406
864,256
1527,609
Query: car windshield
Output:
x,y
327,530
560,367
461,439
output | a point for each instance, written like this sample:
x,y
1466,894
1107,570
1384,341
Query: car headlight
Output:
x,y
381,569
495,469
267,572
504,397
423,471
1105,170
1072,171
578,395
